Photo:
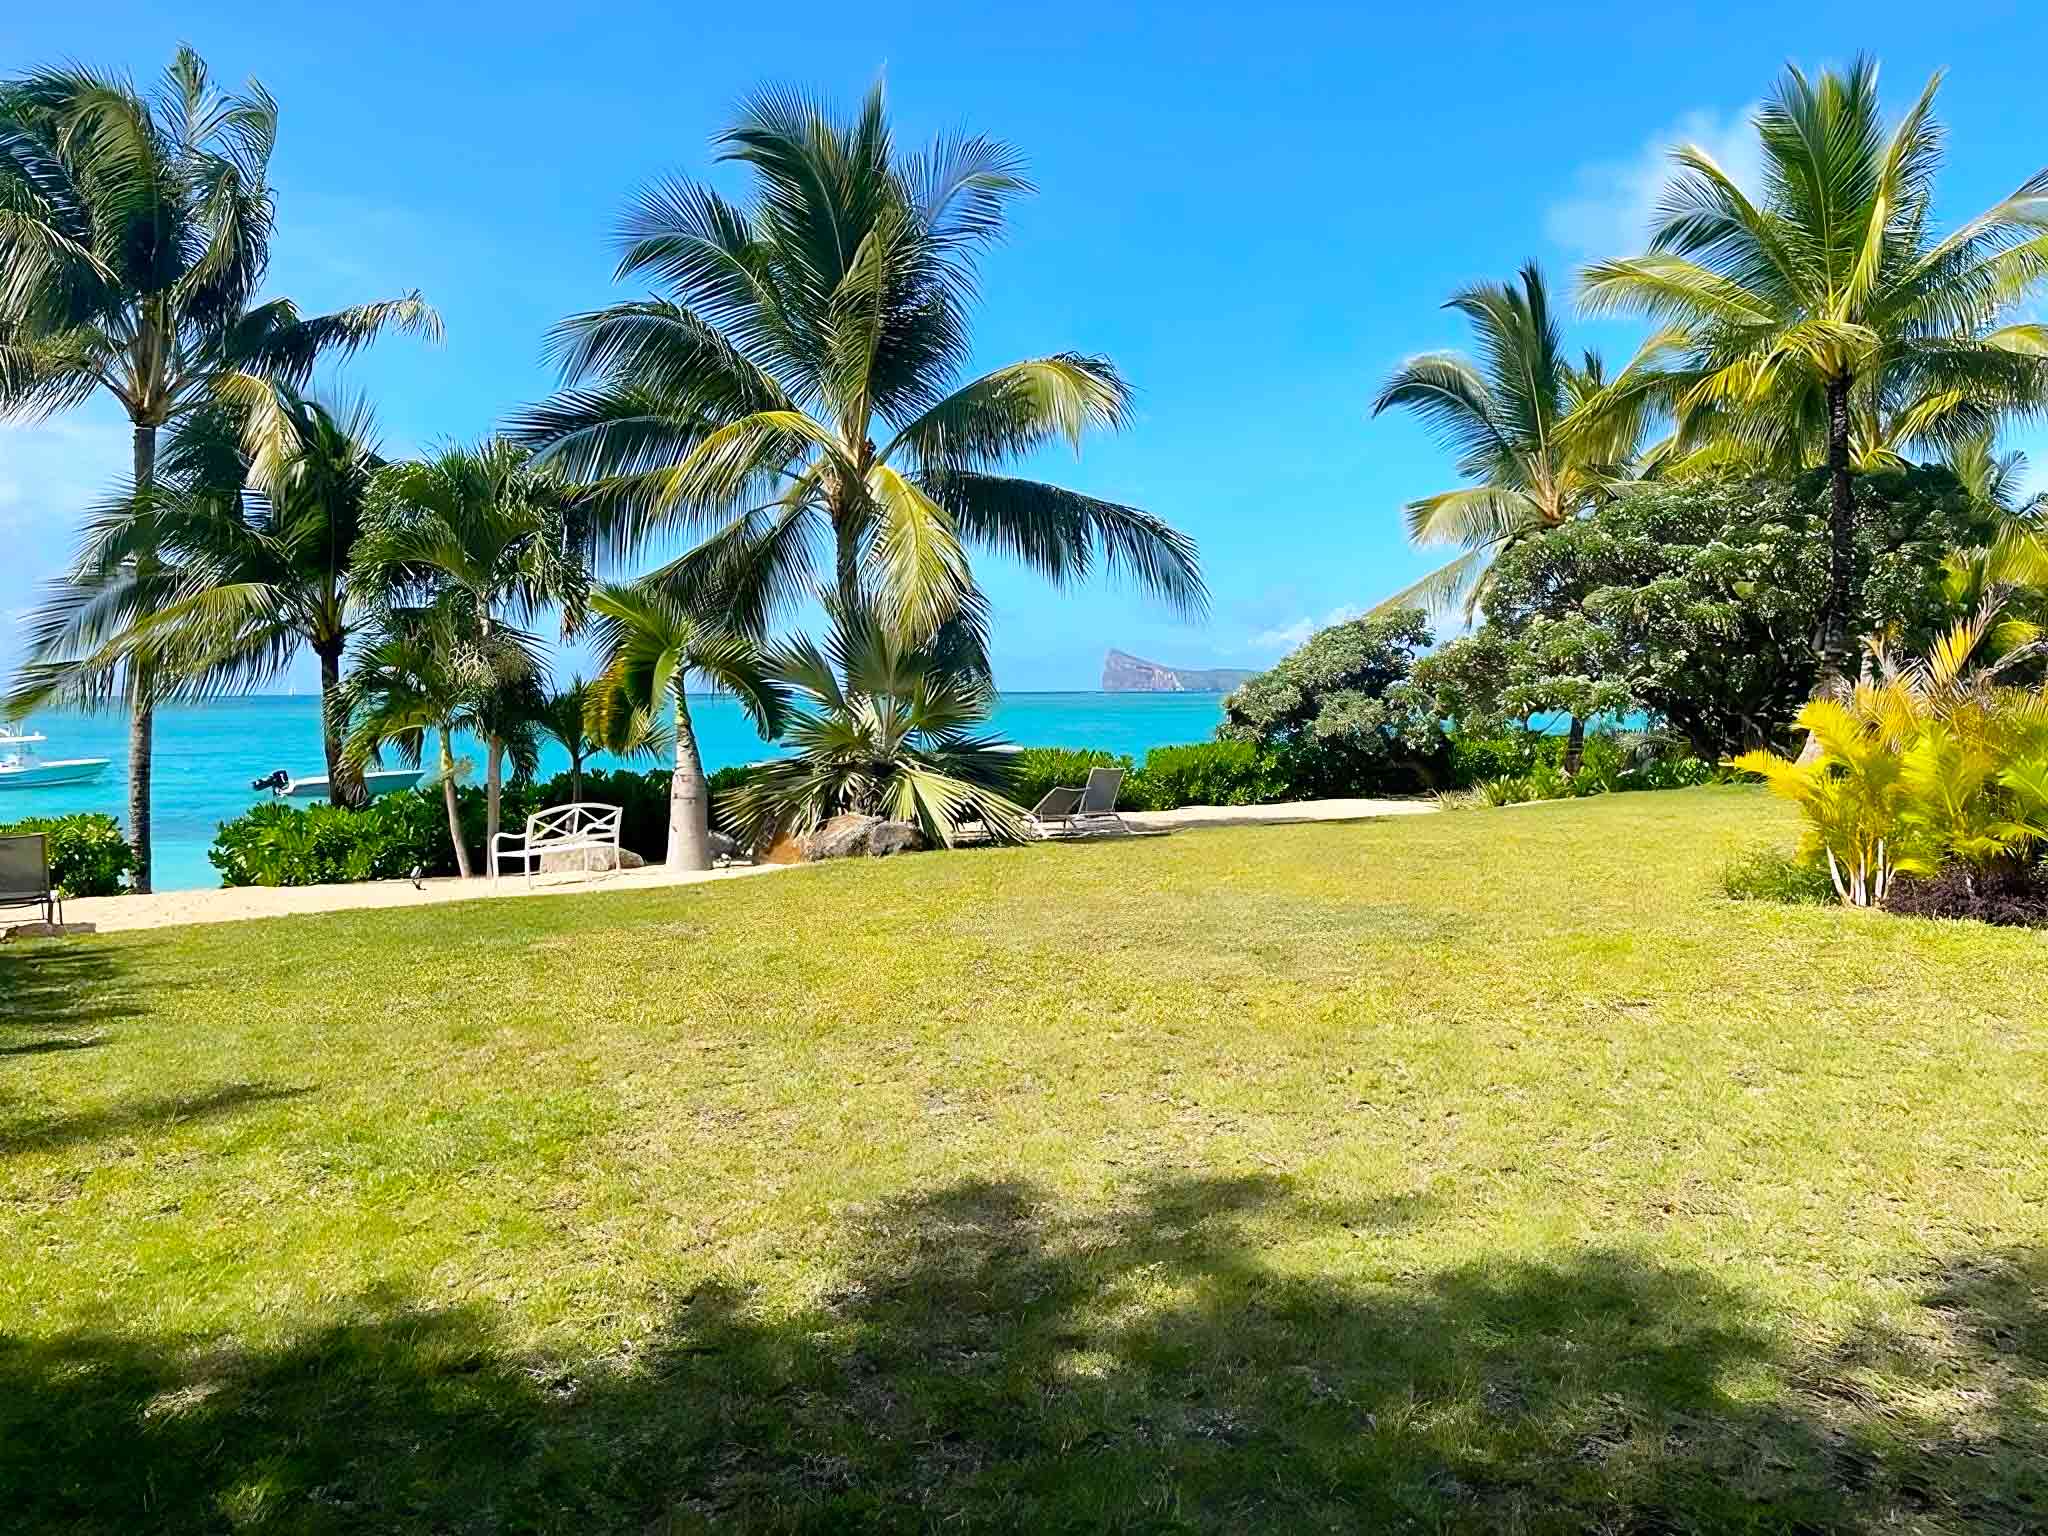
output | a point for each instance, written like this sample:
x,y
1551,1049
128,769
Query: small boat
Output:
x,y
21,768
314,786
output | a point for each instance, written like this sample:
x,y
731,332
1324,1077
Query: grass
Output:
x,y
1486,1172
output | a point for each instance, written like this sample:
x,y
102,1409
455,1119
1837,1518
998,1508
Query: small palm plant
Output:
x,y
653,645
1929,762
888,731
577,719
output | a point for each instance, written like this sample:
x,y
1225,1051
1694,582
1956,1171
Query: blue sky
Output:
x,y
1255,211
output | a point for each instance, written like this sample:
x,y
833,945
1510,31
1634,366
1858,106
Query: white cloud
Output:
x,y
1614,202
1287,637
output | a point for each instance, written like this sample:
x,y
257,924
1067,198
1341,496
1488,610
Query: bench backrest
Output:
x,y
24,866
584,821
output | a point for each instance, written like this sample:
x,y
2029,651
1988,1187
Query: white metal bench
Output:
x,y
584,827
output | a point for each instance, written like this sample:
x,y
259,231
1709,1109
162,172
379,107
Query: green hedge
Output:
x,y
88,855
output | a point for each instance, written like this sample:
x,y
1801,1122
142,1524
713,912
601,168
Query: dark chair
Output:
x,y
25,876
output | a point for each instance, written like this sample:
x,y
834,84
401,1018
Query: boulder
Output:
x,y
575,861
895,837
724,849
855,835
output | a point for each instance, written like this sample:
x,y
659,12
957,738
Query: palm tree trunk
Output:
x,y
345,785
689,799
141,699
454,808
1839,616
575,774
494,767
1575,745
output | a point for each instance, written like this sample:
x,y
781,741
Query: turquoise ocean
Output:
x,y
206,754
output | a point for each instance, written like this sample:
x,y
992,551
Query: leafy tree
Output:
x,y
1700,599
884,728
1341,711
796,394
1824,323
652,646
1506,416
134,235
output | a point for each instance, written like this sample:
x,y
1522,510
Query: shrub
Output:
x,y
88,855
277,843
1476,759
1206,773
1770,874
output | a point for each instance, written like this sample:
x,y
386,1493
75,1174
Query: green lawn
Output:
x,y
1478,1172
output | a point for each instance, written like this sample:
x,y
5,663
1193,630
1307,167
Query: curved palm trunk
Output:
x,y
345,785
454,808
141,701
689,799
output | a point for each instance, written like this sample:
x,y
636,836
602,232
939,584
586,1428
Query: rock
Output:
x,y
575,861
855,835
43,930
895,837
724,849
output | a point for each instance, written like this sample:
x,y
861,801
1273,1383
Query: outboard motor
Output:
x,y
276,782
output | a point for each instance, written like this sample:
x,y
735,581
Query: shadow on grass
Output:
x,y
30,1129
993,1361
48,988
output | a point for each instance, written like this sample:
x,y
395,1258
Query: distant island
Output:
x,y
1125,673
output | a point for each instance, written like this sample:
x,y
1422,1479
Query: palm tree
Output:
x,y
797,393
134,235
1827,302
576,717
243,571
888,731
652,646
492,534
1520,419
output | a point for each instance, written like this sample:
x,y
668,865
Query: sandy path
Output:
x,y
169,909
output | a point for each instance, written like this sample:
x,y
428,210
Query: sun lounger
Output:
x,y
25,876
1080,810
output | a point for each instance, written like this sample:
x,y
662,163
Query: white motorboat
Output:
x,y
314,786
21,767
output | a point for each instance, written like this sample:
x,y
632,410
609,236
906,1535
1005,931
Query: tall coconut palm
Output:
x,y
1827,300
134,235
246,568
491,534
797,393
1521,418
652,647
